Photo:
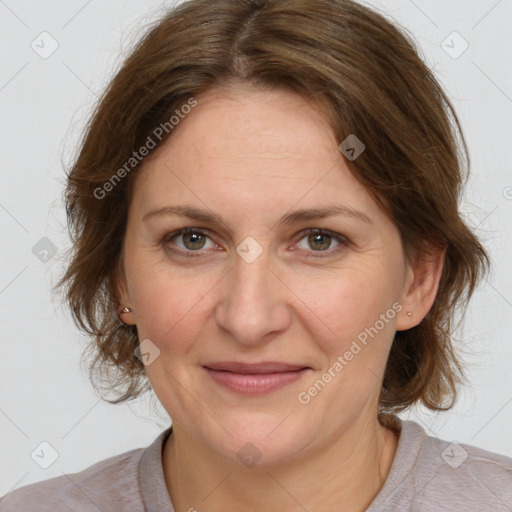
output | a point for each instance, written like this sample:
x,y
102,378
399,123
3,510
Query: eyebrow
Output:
x,y
287,220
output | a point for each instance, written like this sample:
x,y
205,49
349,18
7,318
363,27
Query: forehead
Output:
x,y
248,125
259,146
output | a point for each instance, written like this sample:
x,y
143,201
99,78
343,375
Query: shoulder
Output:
x,y
98,487
461,460
433,474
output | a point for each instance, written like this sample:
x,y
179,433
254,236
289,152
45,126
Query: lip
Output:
x,y
253,368
254,378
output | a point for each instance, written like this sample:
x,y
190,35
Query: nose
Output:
x,y
253,303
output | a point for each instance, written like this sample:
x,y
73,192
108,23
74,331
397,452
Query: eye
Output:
x,y
192,240
320,240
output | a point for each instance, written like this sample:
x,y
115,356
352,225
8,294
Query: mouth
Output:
x,y
255,378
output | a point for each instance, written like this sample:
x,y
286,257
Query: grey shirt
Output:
x,y
427,475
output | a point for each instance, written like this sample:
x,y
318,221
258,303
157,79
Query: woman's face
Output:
x,y
255,286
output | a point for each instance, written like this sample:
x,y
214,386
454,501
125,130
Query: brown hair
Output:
x,y
367,75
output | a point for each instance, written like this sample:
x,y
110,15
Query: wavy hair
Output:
x,y
368,76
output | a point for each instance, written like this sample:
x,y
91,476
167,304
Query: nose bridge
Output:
x,y
253,302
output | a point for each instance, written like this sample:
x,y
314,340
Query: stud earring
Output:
x,y
409,313
124,310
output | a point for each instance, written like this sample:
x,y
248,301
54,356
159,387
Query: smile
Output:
x,y
255,379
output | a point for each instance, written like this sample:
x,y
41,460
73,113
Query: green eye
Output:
x,y
195,240
320,241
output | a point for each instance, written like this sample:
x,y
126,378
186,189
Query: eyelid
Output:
x,y
170,235
343,240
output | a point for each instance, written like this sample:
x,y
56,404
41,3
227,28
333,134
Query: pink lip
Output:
x,y
254,379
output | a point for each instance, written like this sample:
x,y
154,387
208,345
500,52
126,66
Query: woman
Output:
x,y
266,228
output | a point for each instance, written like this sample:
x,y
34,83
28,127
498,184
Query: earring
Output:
x,y
124,310
409,313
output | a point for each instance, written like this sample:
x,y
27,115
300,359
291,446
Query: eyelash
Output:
x,y
343,241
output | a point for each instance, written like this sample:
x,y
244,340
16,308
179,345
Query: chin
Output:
x,y
259,440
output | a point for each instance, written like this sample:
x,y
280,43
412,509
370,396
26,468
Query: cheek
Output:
x,y
361,324
347,305
169,306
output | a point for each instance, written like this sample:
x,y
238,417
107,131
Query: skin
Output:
x,y
252,156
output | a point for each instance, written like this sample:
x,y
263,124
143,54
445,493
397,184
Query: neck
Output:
x,y
351,468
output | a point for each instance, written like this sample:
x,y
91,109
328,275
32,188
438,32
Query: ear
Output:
x,y
420,290
122,295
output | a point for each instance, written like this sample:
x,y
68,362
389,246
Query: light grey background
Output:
x,y
44,395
